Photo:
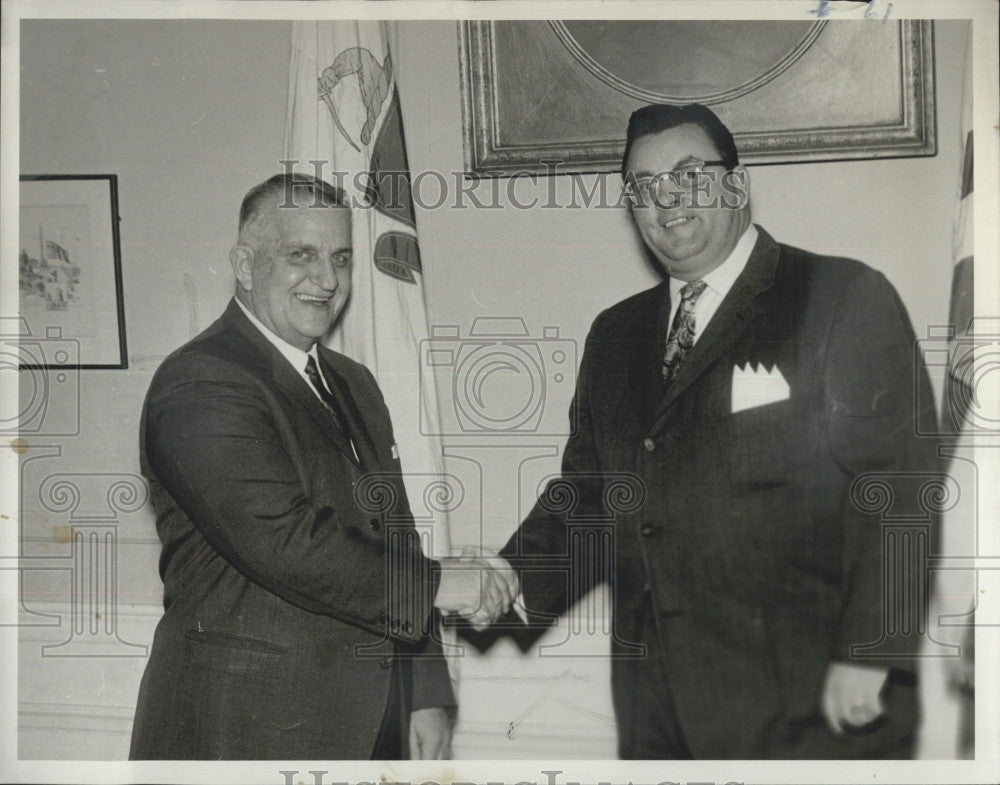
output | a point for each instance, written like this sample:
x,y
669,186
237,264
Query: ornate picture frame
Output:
x,y
539,94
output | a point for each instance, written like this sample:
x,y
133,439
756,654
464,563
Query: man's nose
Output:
x,y
671,196
324,274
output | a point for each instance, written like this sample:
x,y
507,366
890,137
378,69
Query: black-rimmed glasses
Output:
x,y
666,188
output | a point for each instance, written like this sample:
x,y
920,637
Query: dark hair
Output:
x,y
290,186
654,118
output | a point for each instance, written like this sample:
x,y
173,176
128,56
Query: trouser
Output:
x,y
393,742
652,730
649,728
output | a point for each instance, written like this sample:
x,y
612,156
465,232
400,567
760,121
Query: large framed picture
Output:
x,y
544,97
70,275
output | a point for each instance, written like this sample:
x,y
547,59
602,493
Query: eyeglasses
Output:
x,y
666,188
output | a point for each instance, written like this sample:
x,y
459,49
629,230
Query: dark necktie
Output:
x,y
680,339
324,395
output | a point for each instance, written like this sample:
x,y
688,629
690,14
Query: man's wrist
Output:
x,y
458,586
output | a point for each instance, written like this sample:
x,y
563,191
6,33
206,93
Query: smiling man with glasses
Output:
x,y
744,395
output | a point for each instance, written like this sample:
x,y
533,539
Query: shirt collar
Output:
x,y
293,354
721,279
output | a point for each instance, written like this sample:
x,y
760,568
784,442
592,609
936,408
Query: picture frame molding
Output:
x,y
122,364
486,156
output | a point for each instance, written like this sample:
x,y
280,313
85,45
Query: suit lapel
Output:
x,y
737,310
288,378
645,349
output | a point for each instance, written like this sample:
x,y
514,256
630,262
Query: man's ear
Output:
x,y
736,187
241,258
744,175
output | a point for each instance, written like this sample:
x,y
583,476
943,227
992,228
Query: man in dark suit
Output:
x,y
736,403
299,609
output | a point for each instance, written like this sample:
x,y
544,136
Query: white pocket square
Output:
x,y
757,386
395,452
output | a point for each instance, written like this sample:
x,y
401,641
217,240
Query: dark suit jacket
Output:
x,y
290,579
739,526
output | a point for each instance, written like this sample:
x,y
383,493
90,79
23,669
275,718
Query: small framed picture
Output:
x,y
70,278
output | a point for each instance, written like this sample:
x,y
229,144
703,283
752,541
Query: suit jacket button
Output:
x,y
385,663
649,445
375,524
646,530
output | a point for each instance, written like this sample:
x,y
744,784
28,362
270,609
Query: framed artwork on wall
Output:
x,y
535,93
69,271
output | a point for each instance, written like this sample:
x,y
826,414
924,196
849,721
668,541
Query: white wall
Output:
x,y
189,115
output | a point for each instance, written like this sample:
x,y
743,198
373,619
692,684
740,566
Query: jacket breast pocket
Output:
x,y
759,443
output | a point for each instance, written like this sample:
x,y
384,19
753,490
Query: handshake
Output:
x,y
479,587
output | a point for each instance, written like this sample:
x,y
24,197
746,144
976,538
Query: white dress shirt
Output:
x,y
293,354
718,283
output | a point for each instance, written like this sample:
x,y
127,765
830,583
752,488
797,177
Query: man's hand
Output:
x,y
503,590
851,695
479,587
430,734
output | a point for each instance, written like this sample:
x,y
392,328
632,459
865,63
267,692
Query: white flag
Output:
x,y
343,114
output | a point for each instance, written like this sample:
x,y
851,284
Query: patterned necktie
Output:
x,y
326,396
680,339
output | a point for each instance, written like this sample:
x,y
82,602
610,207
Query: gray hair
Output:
x,y
289,186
